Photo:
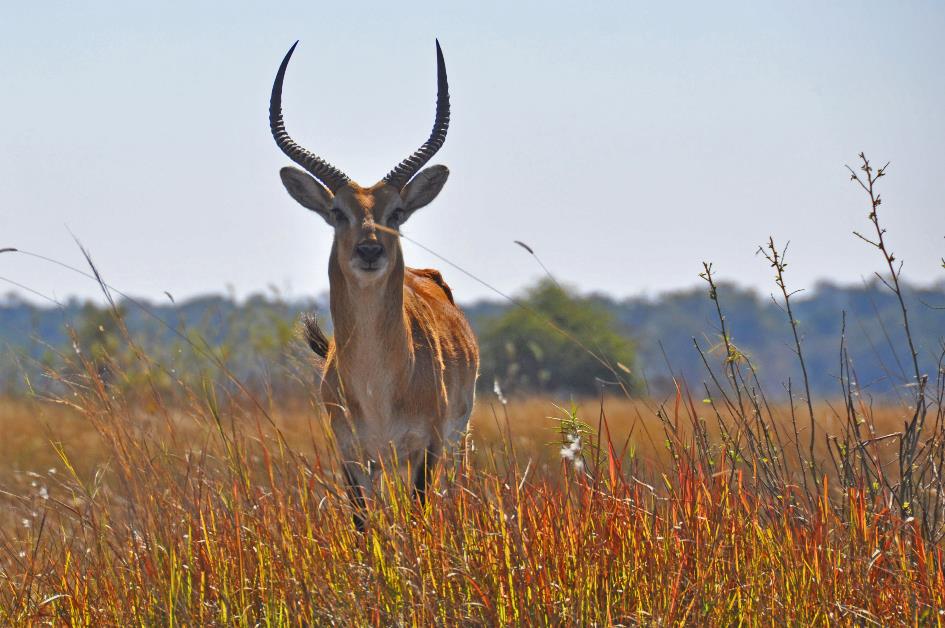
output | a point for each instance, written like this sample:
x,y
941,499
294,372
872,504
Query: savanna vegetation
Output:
x,y
257,335
137,492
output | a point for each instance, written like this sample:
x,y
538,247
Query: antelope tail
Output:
x,y
314,336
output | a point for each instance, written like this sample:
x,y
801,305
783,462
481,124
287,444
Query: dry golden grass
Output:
x,y
531,425
227,512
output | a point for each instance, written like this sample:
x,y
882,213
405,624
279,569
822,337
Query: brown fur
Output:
x,y
436,277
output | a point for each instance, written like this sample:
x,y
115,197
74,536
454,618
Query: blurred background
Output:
x,y
624,142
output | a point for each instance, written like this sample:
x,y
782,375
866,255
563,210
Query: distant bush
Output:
x,y
527,354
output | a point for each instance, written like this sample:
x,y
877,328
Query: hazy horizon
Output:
x,y
624,142
800,293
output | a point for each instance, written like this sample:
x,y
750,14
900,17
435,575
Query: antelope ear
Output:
x,y
307,191
424,187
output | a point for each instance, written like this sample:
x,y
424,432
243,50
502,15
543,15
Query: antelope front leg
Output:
x,y
359,487
423,476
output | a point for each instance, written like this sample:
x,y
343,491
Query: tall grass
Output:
x,y
210,517
202,502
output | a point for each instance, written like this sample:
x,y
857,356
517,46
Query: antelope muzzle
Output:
x,y
369,253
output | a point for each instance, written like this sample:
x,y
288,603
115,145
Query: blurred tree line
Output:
x,y
645,342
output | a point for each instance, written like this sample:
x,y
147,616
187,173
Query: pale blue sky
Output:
x,y
626,142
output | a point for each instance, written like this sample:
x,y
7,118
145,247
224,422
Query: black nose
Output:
x,y
369,251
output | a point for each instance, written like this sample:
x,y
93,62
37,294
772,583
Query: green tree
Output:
x,y
98,334
527,354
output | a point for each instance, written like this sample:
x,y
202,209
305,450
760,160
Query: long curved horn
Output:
x,y
401,175
330,176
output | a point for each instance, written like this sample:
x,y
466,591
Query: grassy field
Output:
x,y
227,512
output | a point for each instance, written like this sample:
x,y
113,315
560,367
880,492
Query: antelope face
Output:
x,y
365,220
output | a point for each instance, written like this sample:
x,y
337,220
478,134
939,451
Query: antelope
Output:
x,y
399,375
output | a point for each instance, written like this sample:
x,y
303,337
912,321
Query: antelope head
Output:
x,y
366,247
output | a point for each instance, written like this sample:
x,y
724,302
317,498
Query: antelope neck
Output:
x,y
370,319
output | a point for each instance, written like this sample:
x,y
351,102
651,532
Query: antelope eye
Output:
x,y
339,217
396,218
